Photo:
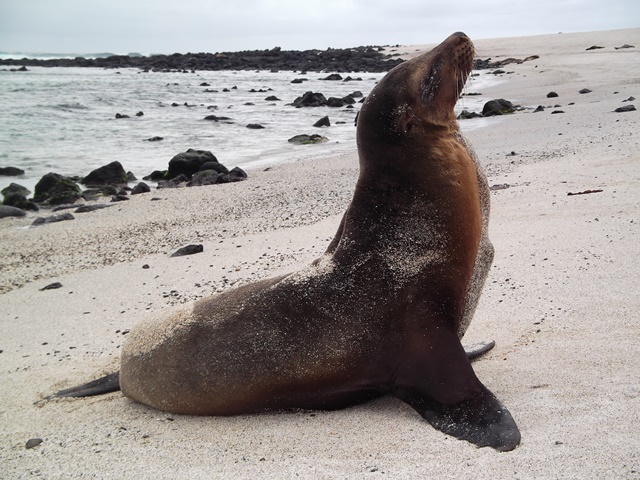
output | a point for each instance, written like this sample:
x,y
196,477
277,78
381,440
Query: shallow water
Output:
x,y
63,119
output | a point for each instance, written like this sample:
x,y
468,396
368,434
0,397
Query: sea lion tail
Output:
x,y
109,383
478,349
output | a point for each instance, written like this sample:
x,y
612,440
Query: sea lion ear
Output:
x,y
405,122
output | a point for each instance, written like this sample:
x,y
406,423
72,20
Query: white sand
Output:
x,y
561,302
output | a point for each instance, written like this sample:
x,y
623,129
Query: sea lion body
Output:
x,y
382,311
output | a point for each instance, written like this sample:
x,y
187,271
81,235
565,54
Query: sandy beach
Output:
x,y
561,300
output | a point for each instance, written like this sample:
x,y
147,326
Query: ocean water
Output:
x,y
63,119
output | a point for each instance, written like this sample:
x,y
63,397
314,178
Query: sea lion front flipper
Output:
x,y
439,383
478,349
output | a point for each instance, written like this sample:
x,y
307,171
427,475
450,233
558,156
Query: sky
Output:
x,y
169,26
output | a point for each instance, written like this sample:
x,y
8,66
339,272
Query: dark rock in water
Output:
x,y
130,177
11,171
103,191
356,94
157,175
630,99
140,114
33,442
254,126
52,286
15,188
557,111
335,102
188,250
19,201
7,211
594,47
299,80
91,208
118,115
214,118
626,108
204,177
140,188
539,108
189,162
349,100
497,107
626,45
310,99
217,166
552,95
174,182
307,139
466,115
272,98
56,189
323,122
584,90
52,219
111,174
204,84
333,76
154,139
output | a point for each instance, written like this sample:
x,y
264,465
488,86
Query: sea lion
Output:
x,y
382,311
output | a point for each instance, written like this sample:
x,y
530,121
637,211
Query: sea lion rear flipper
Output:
x,y
441,385
478,349
106,384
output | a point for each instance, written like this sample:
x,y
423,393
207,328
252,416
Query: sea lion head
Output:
x,y
417,97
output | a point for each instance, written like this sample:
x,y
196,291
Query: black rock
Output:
x,y
111,174
52,219
235,175
204,84
140,114
333,76
255,126
56,189
466,115
121,116
299,80
189,162
307,139
188,250
214,118
552,95
217,166
539,108
91,208
154,139
19,201
119,198
140,188
204,177
630,99
557,111
584,90
11,171
8,211
335,102
349,100
52,286
626,108
356,94
157,175
310,99
497,107
33,442
323,122
272,98
15,188
594,47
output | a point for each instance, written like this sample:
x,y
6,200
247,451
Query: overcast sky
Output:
x,y
168,26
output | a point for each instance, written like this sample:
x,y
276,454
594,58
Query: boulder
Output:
x,y
8,211
323,122
111,174
188,250
56,189
254,126
204,177
310,99
16,188
307,139
157,175
335,102
217,166
189,162
333,76
497,107
19,201
140,188
235,175
11,171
